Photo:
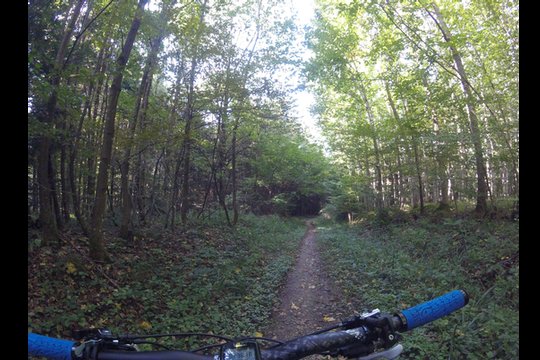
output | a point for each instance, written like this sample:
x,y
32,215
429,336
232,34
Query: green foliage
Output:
x,y
287,169
389,58
400,265
210,278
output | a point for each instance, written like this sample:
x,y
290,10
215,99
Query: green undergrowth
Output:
x,y
398,265
209,278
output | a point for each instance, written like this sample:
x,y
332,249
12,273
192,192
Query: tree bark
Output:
x,y
482,190
127,203
188,116
398,177
378,174
440,153
75,198
48,223
234,180
97,246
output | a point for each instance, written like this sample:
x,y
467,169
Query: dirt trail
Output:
x,y
309,299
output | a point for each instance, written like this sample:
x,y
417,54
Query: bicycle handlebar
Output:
x,y
434,309
151,355
57,349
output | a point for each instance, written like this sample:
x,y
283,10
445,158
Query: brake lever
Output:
x,y
91,334
389,354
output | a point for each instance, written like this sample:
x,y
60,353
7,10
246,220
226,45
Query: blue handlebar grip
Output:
x,y
434,309
51,348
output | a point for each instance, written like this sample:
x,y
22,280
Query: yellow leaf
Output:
x,y
70,268
259,334
328,318
237,270
294,307
145,325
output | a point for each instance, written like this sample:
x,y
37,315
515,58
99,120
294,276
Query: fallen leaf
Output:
x,y
328,318
145,325
70,268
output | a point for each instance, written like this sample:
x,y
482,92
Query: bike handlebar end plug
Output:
x,y
465,296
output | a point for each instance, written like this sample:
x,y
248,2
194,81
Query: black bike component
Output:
x,y
240,350
363,335
315,344
91,334
151,355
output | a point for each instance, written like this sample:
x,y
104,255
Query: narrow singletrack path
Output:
x,y
309,300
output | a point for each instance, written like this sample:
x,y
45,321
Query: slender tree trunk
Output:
x,y
144,89
35,187
482,190
139,188
152,209
97,246
110,192
54,194
64,185
49,226
399,176
440,153
379,199
127,202
212,178
94,139
234,180
87,110
418,173
189,115
185,203
176,188
222,154
175,161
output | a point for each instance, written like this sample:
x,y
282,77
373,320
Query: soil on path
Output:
x,y
309,299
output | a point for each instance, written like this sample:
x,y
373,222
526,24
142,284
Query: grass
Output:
x,y
397,265
210,278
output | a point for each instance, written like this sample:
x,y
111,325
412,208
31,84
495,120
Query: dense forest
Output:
x,y
419,101
143,116
157,126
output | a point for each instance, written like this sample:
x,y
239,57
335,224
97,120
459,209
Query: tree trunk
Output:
x,y
418,174
189,115
127,203
482,191
97,246
440,153
75,198
379,199
49,226
234,181
399,176
222,154
152,209
64,191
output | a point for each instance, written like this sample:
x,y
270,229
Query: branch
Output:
x,y
434,53
83,30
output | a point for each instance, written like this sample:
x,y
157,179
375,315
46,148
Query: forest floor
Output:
x,y
287,277
309,300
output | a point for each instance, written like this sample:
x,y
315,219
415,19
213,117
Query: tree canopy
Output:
x,y
167,111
